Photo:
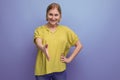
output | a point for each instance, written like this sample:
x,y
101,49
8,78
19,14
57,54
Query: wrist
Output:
x,y
70,59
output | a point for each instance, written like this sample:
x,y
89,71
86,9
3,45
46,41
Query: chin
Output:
x,y
53,23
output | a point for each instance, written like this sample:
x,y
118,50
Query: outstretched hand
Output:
x,y
45,50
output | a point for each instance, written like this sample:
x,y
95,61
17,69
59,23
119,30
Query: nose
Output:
x,y
53,17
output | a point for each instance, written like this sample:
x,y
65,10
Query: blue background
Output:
x,y
96,22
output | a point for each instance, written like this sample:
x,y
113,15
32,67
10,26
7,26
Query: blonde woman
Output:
x,y
53,42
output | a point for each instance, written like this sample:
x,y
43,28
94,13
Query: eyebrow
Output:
x,y
55,13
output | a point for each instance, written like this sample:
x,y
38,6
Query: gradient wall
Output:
x,y
96,22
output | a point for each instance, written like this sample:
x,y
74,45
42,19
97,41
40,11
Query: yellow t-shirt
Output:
x,y
59,43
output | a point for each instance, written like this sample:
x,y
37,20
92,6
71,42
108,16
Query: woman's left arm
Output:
x,y
78,47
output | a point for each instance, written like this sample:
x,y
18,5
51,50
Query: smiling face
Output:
x,y
53,16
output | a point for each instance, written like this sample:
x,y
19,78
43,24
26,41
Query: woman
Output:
x,y
54,41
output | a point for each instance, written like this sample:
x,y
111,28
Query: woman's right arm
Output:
x,y
44,49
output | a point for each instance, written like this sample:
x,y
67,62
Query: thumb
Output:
x,y
46,45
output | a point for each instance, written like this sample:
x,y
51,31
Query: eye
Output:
x,y
56,14
50,14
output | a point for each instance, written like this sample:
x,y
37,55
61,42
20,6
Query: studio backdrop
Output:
x,y
96,22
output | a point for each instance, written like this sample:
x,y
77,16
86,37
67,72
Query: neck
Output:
x,y
51,26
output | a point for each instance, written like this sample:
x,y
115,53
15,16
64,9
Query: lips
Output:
x,y
53,21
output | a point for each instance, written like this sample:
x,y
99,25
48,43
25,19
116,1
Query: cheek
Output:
x,y
49,17
58,17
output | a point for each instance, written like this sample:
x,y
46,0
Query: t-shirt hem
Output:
x,y
48,73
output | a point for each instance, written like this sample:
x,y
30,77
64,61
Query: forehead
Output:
x,y
54,10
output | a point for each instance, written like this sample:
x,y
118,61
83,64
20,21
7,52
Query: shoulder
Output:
x,y
66,28
39,28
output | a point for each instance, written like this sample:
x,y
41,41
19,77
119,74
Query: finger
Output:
x,y
46,46
62,56
48,57
62,60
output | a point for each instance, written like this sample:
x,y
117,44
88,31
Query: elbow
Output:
x,y
80,46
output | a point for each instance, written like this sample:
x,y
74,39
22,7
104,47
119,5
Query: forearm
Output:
x,y
77,49
43,48
40,47
38,43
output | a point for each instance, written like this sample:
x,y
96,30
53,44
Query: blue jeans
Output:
x,y
53,76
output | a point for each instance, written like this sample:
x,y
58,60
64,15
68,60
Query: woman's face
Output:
x,y
53,16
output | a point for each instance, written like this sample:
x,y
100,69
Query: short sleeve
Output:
x,y
38,33
72,37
